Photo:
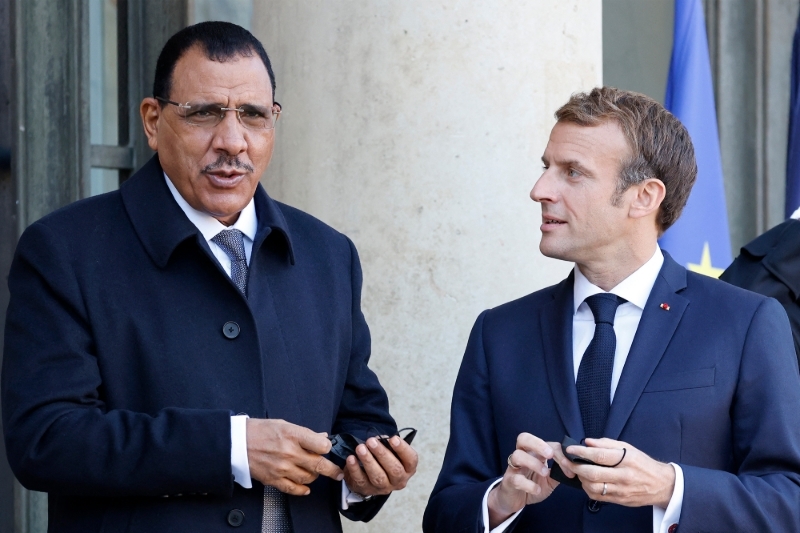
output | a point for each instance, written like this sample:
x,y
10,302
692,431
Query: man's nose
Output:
x,y
543,190
229,135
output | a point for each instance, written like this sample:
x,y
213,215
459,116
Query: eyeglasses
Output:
x,y
204,115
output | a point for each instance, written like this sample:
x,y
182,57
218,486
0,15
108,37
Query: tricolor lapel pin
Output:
x,y
664,306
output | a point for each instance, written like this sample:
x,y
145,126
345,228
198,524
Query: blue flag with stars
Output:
x,y
699,240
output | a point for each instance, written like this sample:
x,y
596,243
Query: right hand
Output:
x,y
529,483
287,456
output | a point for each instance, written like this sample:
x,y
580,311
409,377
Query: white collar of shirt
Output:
x,y
209,226
635,288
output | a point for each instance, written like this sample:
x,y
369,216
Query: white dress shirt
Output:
x,y
635,289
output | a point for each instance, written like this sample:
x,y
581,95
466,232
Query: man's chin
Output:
x,y
554,252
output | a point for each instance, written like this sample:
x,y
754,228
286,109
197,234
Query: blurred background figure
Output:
x,y
770,264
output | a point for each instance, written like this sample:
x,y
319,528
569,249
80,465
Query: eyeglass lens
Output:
x,y
209,115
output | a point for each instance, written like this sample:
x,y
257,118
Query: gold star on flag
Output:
x,y
705,267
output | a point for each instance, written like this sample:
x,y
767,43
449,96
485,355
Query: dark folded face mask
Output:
x,y
344,445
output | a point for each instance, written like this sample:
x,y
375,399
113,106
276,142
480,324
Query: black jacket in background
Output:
x,y
770,265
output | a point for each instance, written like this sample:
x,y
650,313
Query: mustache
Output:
x,y
228,161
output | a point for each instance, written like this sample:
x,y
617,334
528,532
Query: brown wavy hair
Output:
x,y
660,145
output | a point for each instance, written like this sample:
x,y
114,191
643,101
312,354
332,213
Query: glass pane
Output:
x,y
103,94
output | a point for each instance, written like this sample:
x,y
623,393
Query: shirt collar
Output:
x,y
635,288
209,226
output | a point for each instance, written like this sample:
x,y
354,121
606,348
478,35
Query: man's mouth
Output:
x,y
549,221
224,174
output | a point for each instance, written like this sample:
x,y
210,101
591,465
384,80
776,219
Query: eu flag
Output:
x,y
699,240
793,154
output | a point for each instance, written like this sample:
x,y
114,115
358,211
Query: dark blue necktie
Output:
x,y
232,243
594,374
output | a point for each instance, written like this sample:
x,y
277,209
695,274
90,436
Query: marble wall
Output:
x,y
416,128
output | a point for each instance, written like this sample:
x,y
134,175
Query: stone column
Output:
x,y
417,128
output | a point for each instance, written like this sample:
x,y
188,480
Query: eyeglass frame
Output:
x,y
224,110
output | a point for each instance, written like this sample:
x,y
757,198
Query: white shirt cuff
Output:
x,y
349,497
239,464
663,519
485,512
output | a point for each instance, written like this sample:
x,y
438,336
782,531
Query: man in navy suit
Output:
x,y
682,390
178,351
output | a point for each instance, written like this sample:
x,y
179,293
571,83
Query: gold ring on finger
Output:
x,y
511,463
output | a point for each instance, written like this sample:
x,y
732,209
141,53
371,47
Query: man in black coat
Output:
x,y
178,351
770,265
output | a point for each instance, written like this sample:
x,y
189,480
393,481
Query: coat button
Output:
x,y
236,518
594,506
230,330
673,528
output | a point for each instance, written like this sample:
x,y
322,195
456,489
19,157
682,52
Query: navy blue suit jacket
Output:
x,y
711,384
118,383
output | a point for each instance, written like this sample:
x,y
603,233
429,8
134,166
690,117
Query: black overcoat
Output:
x,y
118,381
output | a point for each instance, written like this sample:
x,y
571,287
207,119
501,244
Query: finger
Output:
x,y
565,464
355,477
324,467
288,486
525,461
535,445
377,476
605,443
522,483
311,441
408,456
600,456
595,490
390,464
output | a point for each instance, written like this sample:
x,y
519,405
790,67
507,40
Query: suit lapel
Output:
x,y
556,324
653,335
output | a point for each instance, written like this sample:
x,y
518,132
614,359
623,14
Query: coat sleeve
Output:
x,y
762,492
60,436
471,461
364,409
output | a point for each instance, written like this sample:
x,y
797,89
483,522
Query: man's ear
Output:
x,y
150,110
647,198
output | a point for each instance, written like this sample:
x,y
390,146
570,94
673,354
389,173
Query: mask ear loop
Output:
x,y
624,451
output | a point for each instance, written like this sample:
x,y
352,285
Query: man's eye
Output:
x,y
203,112
251,112
572,173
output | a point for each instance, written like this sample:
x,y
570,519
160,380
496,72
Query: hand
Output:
x,y
382,472
287,456
527,482
637,481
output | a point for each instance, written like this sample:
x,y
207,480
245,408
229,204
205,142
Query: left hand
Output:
x,y
382,472
637,481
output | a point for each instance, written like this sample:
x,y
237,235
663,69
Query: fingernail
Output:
x,y
545,470
361,450
372,443
339,477
308,491
395,441
351,460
